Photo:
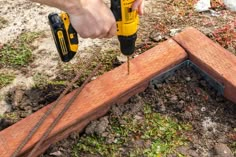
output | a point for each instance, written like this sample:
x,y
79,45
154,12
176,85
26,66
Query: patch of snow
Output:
x,y
230,4
202,5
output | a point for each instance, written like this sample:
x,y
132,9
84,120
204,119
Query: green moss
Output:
x,y
12,116
40,80
96,145
161,132
19,52
57,82
164,132
6,79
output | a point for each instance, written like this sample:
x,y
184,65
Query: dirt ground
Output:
x,y
186,97
44,76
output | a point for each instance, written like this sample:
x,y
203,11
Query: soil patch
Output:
x,y
185,97
206,123
25,102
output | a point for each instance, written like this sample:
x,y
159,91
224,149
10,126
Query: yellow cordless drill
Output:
x,y
127,22
66,38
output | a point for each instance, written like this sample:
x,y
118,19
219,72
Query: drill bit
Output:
x,y
128,64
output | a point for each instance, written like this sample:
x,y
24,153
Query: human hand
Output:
x,y
93,19
138,5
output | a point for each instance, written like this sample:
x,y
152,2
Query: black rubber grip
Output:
x,y
116,9
127,44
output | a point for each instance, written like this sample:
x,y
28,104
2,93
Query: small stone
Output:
x,y
180,105
36,108
148,144
162,108
202,5
18,97
173,32
28,108
195,113
156,36
193,153
203,109
121,58
25,114
122,122
136,108
181,102
110,140
188,98
214,13
137,117
74,136
187,115
90,129
94,78
116,110
174,99
188,79
102,125
231,49
57,153
136,55
182,149
158,85
222,150
105,134
208,124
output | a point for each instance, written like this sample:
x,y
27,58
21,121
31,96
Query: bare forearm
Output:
x,y
90,18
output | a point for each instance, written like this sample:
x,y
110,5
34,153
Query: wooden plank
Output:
x,y
210,57
96,98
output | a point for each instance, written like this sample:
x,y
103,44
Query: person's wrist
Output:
x,y
72,6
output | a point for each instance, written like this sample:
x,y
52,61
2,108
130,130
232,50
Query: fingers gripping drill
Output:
x,y
66,38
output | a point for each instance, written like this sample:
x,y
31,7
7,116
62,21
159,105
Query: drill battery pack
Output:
x,y
65,36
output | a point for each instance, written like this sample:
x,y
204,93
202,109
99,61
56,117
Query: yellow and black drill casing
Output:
x,y
127,21
65,36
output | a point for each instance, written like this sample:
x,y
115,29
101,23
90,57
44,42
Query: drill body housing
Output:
x,y
127,22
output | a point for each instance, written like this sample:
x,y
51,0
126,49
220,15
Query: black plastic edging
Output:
x,y
219,87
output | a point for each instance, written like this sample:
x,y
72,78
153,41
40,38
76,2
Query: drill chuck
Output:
x,y
127,44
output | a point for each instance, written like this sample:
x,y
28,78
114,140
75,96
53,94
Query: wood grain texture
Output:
x,y
95,99
210,57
